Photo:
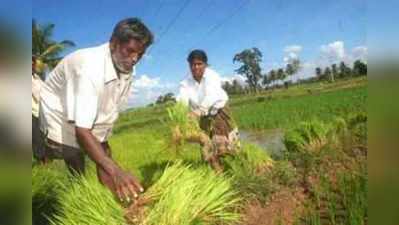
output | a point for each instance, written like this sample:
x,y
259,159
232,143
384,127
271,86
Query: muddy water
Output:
x,y
269,140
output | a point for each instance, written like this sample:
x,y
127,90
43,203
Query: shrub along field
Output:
x,y
321,178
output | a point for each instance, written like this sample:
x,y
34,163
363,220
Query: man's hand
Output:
x,y
123,184
126,185
193,115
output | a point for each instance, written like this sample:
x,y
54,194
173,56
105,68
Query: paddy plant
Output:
x,y
84,200
189,196
287,112
182,195
182,126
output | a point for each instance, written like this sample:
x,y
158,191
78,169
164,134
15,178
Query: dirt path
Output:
x,y
284,207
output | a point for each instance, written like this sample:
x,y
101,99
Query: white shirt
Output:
x,y
84,90
37,83
205,96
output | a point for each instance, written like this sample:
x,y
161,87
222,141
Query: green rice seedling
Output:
x,y
304,145
251,158
84,200
357,124
285,173
354,119
278,112
250,169
169,176
178,115
187,196
354,190
308,136
256,157
46,182
182,126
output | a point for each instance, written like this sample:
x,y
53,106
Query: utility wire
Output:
x,y
225,20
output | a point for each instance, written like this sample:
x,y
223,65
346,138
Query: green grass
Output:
x,y
299,90
286,112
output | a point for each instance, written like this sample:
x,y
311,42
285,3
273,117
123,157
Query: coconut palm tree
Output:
x,y
46,51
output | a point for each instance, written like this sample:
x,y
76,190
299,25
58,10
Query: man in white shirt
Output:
x,y
202,91
82,97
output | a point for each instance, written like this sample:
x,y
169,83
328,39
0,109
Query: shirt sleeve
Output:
x,y
86,102
183,95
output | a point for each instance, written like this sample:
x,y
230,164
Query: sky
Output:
x,y
319,33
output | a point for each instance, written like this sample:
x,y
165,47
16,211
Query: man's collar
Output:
x,y
110,72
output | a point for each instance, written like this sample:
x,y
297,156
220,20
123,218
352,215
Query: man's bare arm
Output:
x,y
125,184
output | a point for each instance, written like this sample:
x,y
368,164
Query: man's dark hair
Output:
x,y
197,54
132,28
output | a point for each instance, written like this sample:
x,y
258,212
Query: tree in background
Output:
x,y
168,97
359,68
344,70
293,67
267,79
227,87
328,74
281,75
319,73
233,88
250,59
334,71
236,87
45,49
273,76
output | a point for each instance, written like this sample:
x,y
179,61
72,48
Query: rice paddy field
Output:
x,y
320,179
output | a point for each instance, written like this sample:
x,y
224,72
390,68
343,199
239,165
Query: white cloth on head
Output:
x,y
205,97
84,90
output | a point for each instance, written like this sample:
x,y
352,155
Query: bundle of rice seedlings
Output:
x,y
46,182
257,157
308,136
183,127
187,196
356,119
251,170
182,195
84,200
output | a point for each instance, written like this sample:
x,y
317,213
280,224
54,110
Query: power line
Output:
x,y
205,9
171,23
200,14
222,22
161,4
